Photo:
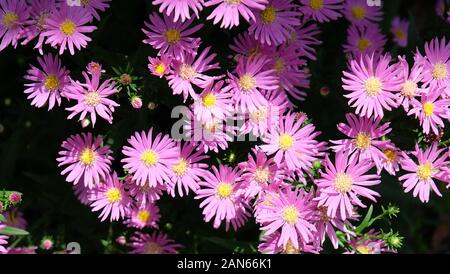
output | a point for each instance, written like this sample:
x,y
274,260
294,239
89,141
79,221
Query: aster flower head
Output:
x,y
160,66
246,46
270,245
364,40
144,194
188,170
436,71
66,28
221,194
13,16
342,182
291,212
370,243
169,37
92,98
157,243
47,82
250,78
304,38
274,23
364,141
399,29
92,6
431,110
189,71
181,8
410,86
149,160
86,158
228,11
3,240
293,144
428,166
140,217
371,82
322,10
358,12
111,198
391,163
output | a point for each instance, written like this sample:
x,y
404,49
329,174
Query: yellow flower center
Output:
x,y
211,127
290,249
10,19
290,214
247,82
285,141
409,89
269,15
253,52
92,98
233,2
209,100
362,249
181,168
224,190
440,71
358,12
425,171
400,34
143,215
187,72
316,4
390,155
262,175
373,86
279,65
51,82
362,141
149,157
258,115
343,183
363,44
113,195
67,27
323,215
172,36
428,109
87,157
85,2
152,248
160,68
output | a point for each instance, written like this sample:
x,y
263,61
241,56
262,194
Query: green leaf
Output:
x,y
9,230
3,219
365,221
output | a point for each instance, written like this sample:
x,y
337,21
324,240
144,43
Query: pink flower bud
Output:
x,y
47,244
121,240
136,102
15,197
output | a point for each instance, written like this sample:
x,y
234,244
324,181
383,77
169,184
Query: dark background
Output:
x,y
31,137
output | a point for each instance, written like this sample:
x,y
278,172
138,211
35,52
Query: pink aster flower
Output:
x,y
111,198
149,160
410,86
304,38
15,218
180,8
144,194
429,166
213,102
364,40
431,110
293,144
370,243
160,66
259,173
322,10
358,12
140,217
92,98
228,11
189,71
157,243
252,77
365,138
436,71
48,81
222,197
13,16
188,170
86,159
371,83
274,24
391,163
35,25
66,28
22,250
341,184
82,193
292,212
399,28
92,6
3,240
270,245
169,37
246,46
